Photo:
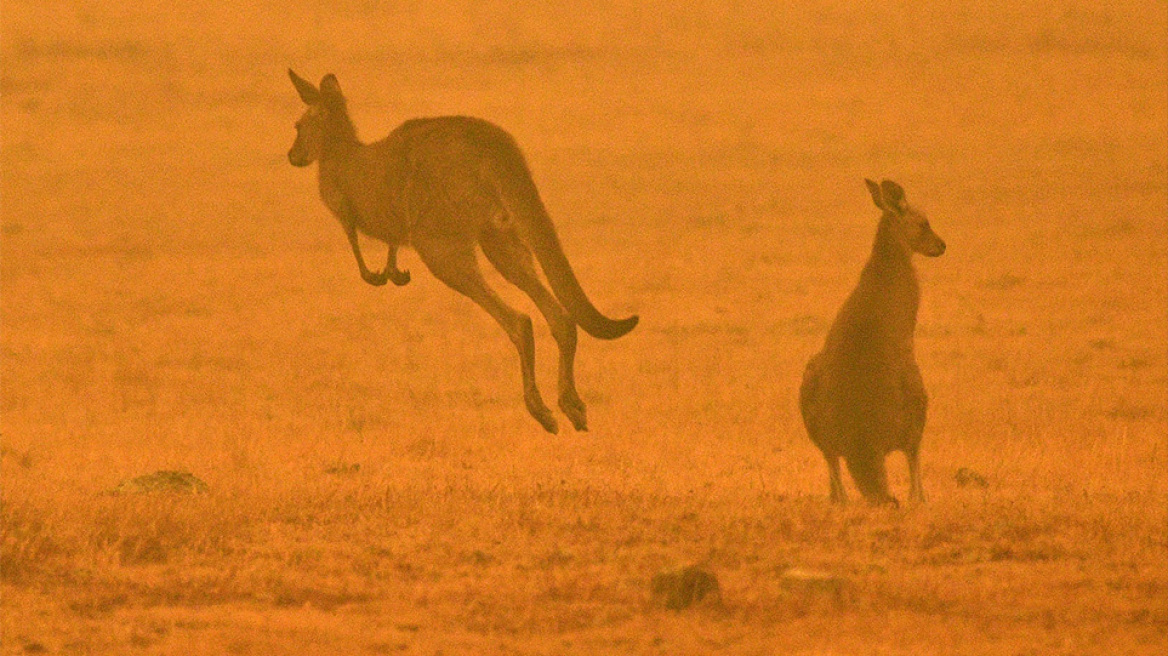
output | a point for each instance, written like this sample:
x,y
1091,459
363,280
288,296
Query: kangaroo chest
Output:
x,y
872,337
368,199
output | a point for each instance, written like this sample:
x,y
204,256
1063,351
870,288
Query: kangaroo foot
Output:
x,y
543,415
887,500
574,408
547,421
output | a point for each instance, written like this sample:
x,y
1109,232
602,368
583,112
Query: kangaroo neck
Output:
x,y
890,257
890,282
339,147
339,163
340,138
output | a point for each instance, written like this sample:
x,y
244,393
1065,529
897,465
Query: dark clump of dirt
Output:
x,y
680,589
967,477
343,469
180,482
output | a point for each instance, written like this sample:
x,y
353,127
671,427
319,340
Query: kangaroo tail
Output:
x,y
867,469
521,200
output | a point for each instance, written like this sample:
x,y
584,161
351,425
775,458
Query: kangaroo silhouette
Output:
x,y
862,396
444,186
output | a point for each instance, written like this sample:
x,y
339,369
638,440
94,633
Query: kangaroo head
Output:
x,y
910,225
324,105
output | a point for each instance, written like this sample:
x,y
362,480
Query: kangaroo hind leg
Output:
x,y
514,260
455,264
838,494
916,490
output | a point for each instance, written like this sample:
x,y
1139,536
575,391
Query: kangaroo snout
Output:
x,y
297,160
937,248
929,244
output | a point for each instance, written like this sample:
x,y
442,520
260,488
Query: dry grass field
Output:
x,y
176,297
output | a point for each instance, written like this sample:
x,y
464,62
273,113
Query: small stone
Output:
x,y
680,589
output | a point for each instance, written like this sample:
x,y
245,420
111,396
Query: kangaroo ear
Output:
x,y
308,93
330,92
877,196
893,195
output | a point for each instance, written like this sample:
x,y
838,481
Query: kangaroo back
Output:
x,y
521,200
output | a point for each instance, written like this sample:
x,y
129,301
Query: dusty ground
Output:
x,y
175,297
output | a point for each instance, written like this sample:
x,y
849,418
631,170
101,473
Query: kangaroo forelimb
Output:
x,y
375,279
391,272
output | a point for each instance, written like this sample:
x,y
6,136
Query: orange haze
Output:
x,y
175,296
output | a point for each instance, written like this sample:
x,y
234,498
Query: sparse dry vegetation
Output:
x,y
174,298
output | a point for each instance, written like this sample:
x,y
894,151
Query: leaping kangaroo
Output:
x,y
862,396
444,186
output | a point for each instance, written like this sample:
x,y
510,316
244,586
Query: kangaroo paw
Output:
x,y
400,278
375,279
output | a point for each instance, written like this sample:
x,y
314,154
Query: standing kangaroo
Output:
x,y
446,185
862,396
